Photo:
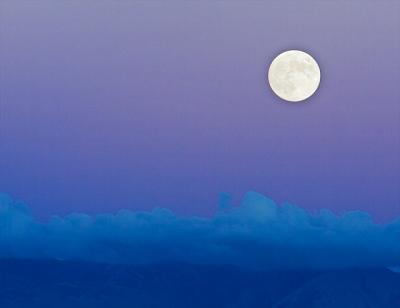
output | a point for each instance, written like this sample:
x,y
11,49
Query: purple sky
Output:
x,y
125,104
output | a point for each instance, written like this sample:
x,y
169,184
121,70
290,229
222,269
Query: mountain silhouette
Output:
x,y
45,283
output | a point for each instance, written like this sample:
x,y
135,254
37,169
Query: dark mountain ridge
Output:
x,y
45,283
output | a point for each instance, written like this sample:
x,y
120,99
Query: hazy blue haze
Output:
x,y
258,234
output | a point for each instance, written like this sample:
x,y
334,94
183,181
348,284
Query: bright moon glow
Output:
x,y
294,75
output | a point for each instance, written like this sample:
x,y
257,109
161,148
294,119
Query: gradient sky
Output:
x,y
127,104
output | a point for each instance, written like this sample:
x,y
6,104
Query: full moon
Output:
x,y
294,75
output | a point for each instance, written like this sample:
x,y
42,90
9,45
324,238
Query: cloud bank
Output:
x,y
257,234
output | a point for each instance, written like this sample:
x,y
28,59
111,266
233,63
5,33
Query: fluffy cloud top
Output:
x,y
257,234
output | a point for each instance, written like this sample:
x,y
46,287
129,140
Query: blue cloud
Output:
x,y
257,234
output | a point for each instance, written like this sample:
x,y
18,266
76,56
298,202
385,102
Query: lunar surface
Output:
x,y
294,75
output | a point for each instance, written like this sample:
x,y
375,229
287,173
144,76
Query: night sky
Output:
x,y
122,104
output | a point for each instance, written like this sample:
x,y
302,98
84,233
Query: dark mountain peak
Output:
x,y
49,283
353,288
